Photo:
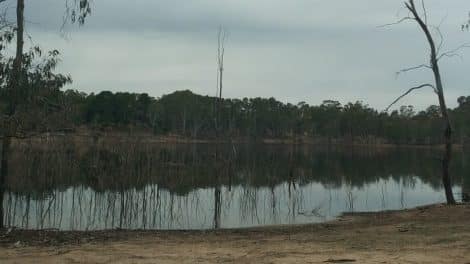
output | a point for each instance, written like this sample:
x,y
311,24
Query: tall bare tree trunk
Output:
x,y
446,179
219,161
15,89
220,72
221,75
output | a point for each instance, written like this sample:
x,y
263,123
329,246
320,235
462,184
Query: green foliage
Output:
x,y
37,99
187,114
116,109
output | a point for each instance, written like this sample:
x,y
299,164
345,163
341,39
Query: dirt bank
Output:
x,y
435,234
112,136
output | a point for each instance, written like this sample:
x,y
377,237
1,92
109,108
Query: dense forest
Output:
x,y
186,114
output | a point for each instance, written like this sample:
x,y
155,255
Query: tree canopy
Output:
x,y
191,115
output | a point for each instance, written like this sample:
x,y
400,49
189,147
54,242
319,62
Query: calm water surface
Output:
x,y
97,186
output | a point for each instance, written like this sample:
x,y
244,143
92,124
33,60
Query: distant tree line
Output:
x,y
190,115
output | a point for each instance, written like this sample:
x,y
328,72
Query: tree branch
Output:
x,y
411,7
397,22
454,52
441,38
408,92
425,12
412,69
451,55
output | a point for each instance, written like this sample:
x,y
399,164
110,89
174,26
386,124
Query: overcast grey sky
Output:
x,y
293,50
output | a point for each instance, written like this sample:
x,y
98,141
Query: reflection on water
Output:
x,y
151,186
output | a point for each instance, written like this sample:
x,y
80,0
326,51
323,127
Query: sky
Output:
x,y
293,50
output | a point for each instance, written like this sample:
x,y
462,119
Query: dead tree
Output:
x,y
221,37
218,164
220,58
437,87
219,161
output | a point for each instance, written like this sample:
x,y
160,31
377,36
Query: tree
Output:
x,y
437,87
13,90
6,36
221,38
17,86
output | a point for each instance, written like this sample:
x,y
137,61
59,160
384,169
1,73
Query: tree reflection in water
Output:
x,y
102,185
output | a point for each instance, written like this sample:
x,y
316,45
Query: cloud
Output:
x,y
300,50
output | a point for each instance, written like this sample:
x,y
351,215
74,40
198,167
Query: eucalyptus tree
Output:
x,y
6,36
19,78
420,17
12,91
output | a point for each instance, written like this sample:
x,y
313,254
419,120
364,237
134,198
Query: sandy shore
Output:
x,y
434,234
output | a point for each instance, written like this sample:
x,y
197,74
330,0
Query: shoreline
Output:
x,y
429,234
11,232
173,139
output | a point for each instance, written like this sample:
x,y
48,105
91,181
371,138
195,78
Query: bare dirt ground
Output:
x,y
435,234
